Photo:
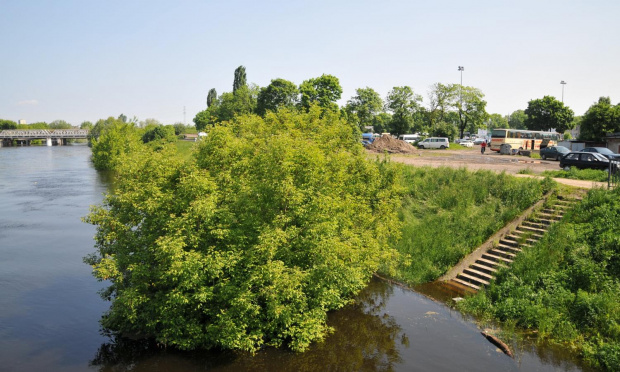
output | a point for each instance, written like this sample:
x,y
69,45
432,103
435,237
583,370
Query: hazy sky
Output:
x,y
85,60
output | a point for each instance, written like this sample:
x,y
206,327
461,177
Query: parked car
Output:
x,y
478,141
466,143
553,152
603,151
434,143
583,160
409,138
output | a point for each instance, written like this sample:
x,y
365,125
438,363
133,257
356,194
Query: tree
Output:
x,y
403,104
123,118
203,119
324,91
7,124
364,106
548,113
86,125
279,93
253,242
164,133
601,119
115,141
471,109
59,124
442,99
381,122
211,97
516,120
497,121
240,78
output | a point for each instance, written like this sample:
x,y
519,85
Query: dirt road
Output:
x,y
473,160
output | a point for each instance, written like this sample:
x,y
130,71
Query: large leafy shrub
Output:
x,y
276,222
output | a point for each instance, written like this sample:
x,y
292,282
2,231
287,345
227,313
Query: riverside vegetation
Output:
x,y
245,242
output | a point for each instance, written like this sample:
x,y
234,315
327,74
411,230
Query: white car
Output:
x,y
479,141
434,143
466,143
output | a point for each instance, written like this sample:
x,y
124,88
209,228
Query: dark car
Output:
x,y
603,151
583,160
553,152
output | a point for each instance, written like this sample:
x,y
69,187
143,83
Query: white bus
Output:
x,y
523,139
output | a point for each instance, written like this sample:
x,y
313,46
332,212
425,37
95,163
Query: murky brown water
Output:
x,y
49,307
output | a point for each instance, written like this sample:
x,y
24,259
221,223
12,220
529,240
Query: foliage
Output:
x,y
566,286
211,97
278,221
179,128
548,113
86,125
204,118
364,107
240,79
60,124
279,93
444,129
324,91
602,118
471,109
567,136
381,122
159,133
7,124
441,101
516,120
37,125
447,213
403,104
596,175
115,141
497,121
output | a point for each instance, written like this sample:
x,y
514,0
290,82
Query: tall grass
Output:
x,y
579,174
566,287
447,213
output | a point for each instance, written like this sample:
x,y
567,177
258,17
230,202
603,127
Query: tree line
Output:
x,y
451,109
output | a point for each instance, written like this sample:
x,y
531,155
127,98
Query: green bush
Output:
x,y
114,142
276,222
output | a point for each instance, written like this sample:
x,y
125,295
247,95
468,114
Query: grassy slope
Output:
x,y
566,287
448,212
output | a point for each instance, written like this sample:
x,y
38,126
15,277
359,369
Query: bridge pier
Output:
x,y
48,141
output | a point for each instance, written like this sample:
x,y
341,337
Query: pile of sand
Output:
x,y
391,145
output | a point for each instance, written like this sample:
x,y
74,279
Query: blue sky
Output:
x,y
85,60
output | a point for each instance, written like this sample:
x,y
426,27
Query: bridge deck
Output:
x,y
43,133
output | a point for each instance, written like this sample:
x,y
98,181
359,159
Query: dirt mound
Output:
x,y
391,145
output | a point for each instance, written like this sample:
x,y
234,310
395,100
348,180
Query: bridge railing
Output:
x,y
44,133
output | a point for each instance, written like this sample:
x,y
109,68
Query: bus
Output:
x,y
523,139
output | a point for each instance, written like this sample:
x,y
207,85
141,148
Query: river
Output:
x,y
49,306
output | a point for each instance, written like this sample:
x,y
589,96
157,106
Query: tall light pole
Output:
x,y
563,84
461,68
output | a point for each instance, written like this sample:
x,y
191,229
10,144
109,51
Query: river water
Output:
x,y
49,306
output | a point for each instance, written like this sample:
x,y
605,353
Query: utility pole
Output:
x,y
563,84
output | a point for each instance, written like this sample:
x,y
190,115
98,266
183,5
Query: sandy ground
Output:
x,y
473,160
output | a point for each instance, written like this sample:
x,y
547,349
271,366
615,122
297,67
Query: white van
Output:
x,y
409,138
434,143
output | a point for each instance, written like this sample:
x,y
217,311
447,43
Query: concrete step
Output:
x,y
490,263
480,274
484,268
535,230
533,224
543,221
472,279
508,248
496,258
499,252
523,230
466,283
516,237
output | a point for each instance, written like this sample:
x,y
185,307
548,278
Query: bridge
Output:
x,y
59,137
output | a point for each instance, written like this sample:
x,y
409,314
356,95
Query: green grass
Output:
x,y
566,287
185,148
447,213
579,174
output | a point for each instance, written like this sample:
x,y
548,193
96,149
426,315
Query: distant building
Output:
x,y
21,121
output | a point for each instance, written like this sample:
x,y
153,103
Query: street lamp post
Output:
x,y
563,84
461,68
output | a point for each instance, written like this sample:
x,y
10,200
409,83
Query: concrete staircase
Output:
x,y
479,269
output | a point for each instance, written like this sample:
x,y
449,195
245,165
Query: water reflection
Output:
x,y
365,338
